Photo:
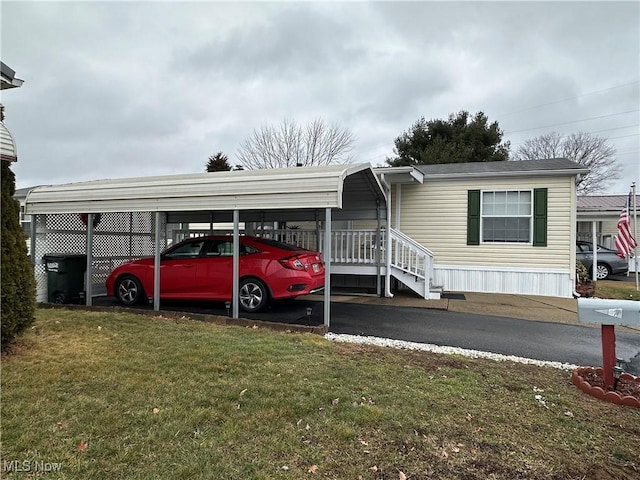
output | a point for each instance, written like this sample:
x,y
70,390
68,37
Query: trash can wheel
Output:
x,y
59,297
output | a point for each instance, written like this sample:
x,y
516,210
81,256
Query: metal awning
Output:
x,y
400,175
334,186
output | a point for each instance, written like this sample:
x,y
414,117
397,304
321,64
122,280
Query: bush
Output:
x,y
18,286
582,274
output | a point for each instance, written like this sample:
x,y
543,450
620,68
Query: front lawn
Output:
x,y
109,395
617,290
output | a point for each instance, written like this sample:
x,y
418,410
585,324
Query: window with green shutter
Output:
x,y
473,217
507,216
540,217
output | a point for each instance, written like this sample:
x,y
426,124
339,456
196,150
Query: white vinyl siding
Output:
x,y
435,215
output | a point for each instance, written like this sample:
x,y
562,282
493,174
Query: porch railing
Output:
x,y
410,262
347,246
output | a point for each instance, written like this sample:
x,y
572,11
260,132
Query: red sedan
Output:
x,y
202,269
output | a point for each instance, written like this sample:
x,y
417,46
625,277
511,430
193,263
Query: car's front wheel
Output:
x,y
254,295
129,290
603,271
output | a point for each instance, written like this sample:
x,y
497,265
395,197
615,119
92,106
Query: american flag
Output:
x,y
625,242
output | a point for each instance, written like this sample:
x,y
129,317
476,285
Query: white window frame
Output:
x,y
483,216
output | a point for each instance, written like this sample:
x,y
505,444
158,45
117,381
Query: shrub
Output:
x,y
17,284
582,274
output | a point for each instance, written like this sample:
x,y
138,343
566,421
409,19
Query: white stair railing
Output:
x,y
412,258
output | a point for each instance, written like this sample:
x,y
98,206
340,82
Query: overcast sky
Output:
x,y
123,89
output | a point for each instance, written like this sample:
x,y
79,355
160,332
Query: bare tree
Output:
x,y
290,145
589,151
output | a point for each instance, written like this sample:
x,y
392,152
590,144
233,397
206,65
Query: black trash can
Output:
x,y
65,277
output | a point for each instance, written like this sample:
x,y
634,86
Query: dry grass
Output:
x,y
617,290
125,396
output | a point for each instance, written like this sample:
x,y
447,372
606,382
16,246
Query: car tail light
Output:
x,y
292,263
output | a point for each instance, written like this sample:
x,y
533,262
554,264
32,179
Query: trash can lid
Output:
x,y
62,256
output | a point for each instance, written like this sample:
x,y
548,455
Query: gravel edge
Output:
x,y
428,347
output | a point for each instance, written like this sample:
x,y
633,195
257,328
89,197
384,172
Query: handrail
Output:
x,y
411,257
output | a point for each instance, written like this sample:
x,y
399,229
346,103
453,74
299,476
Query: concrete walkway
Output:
x,y
526,307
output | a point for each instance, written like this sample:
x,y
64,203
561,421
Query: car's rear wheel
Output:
x,y
603,271
129,290
254,295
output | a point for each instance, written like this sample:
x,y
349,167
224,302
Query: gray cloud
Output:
x,y
126,89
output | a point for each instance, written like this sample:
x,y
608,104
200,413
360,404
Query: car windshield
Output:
x,y
586,247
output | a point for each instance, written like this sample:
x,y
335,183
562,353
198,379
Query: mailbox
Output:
x,y
609,312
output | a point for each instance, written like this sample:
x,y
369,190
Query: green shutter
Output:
x,y
540,217
473,217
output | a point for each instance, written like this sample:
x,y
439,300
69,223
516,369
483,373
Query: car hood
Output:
x,y
139,261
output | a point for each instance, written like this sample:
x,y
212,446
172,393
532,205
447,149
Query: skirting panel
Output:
x,y
457,278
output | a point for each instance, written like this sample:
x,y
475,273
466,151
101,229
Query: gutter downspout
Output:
x,y
387,257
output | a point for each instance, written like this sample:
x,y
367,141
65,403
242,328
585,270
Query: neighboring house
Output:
x,y
603,212
8,78
25,220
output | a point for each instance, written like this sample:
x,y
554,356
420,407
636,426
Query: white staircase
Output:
x,y
412,264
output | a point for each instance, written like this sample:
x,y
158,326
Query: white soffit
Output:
x,y
265,189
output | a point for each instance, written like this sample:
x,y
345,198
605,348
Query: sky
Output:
x,y
128,89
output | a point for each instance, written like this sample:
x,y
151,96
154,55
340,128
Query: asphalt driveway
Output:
x,y
576,344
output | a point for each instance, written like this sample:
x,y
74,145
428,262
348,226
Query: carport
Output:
x,y
320,194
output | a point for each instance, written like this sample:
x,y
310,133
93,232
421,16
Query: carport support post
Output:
x,y
236,264
327,267
608,353
156,266
378,250
88,282
32,242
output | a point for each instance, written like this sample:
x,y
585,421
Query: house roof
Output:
x,y
602,205
8,77
335,186
553,166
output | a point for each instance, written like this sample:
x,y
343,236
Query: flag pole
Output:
x,y
635,232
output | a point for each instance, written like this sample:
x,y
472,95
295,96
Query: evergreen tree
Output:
x,y
218,163
460,139
18,286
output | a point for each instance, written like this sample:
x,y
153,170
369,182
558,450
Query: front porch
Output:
x,y
354,252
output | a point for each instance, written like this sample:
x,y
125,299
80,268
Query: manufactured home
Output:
x,y
507,227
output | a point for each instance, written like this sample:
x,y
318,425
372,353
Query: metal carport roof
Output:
x,y
278,192
268,189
